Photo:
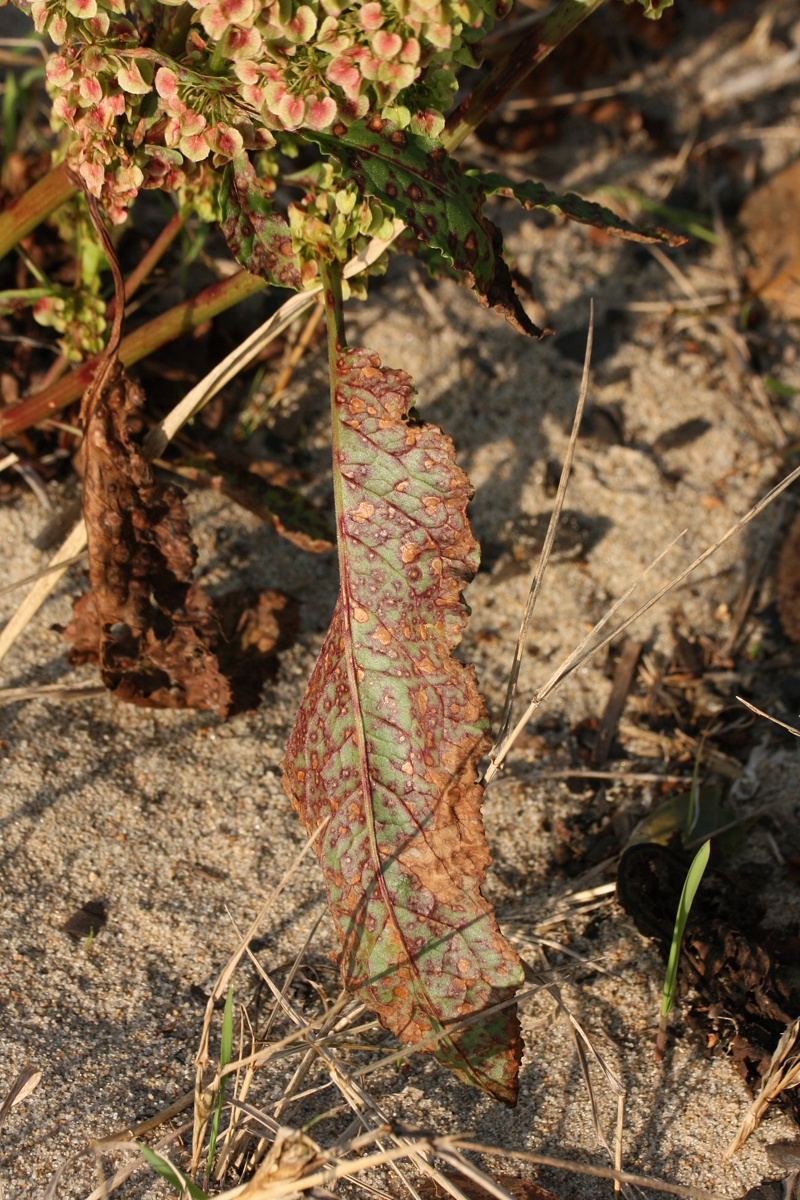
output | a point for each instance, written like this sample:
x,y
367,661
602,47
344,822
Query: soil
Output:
x,y
175,825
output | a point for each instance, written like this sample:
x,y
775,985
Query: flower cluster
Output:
x,y
150,88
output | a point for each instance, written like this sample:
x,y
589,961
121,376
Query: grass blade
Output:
x,y
225,1050
690,886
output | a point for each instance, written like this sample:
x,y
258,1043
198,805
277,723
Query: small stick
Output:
x,y
623,679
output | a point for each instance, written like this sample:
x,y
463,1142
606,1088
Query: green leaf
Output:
x,y
389,735
443,206
167,1171
225,1048
258,237
690,886
535,195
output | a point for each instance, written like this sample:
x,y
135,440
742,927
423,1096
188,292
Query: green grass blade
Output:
x,y
690,886
225,1049
168,1172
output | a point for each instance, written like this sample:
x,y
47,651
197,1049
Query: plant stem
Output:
x,y
31,208
137,345
523,57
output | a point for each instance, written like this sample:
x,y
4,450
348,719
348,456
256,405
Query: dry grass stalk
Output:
x,y
582,655
783,1072
549,541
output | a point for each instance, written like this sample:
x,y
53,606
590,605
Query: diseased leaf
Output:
x,y
389,734
443,206
535,195
257,236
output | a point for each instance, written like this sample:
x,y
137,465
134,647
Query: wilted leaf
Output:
x,y
787,582
388,738
141,558
253,628
441,205
535,195
248,631
257,236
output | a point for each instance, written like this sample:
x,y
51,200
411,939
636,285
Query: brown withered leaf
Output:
x,y
154,622
285,508
771,230
787,582
254,627
249,630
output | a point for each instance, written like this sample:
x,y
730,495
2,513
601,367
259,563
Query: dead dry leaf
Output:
x,y
787,582
772,235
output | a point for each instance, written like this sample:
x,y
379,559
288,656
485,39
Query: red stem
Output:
x,y
33,206
137,345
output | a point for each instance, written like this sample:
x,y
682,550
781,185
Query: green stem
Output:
x,y
331,277
137,345
330,274
30,209
523,57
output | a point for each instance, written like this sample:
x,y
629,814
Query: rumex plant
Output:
x,y
345,106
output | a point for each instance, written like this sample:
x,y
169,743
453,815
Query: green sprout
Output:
x,y
690,886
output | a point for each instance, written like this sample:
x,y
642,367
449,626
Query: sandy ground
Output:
x,y
180,825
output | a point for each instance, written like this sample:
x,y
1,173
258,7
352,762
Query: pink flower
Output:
x,y
253,96
93,176
330,38
82,9
320,112
411,51
399,75
370,16
89,90
166,84
439,34
243,43
387,45
302,26
98,26
192,123
59,73
130,80
427,122
57,29
291,111
129,178
346,75
39,14
226,140
64,110
194,147
246,71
